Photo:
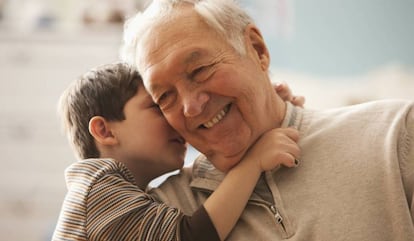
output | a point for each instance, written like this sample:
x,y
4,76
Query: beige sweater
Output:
x,y
355,180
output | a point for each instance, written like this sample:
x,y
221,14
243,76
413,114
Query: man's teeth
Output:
x,y
216,119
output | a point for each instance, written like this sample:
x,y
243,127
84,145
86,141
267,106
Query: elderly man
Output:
x,y
205,64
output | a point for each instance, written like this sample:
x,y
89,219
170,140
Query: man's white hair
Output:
x,y
224,16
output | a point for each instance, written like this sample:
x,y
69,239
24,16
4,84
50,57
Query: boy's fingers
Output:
x,y
289,160
298,100
283,90
291,132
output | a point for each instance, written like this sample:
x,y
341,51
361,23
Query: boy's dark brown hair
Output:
x,y
102,91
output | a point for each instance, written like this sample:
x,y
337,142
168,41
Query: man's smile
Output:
x,y
217,118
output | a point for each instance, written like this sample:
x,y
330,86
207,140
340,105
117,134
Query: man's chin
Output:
x,y
226,163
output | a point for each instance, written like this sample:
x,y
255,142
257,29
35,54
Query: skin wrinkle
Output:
x,y
160,23
170,20
231,80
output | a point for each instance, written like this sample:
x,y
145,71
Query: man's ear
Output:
x,y
254,39
100,129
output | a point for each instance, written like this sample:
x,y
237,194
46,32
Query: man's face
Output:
x,y
218,100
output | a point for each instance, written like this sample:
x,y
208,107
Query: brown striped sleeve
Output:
x,y
103,203
118,210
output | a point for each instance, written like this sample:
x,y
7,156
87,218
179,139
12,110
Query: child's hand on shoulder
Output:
x,y
284,91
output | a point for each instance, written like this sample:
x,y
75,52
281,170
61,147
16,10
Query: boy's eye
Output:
x,y
155,106
157,109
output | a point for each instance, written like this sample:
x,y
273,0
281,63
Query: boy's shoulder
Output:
x,y
89,171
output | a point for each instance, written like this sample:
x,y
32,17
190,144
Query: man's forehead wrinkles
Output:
x,y
153,69
169,65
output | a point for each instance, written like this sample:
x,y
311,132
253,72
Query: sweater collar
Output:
x,y
207,177
293,116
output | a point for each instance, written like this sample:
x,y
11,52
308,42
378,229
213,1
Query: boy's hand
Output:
x,y
275,147
283,90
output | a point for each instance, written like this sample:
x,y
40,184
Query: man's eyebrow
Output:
x,y
193,56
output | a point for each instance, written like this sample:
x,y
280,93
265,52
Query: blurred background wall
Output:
x,y
333,52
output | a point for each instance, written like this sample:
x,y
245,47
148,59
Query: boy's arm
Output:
x,y
225,205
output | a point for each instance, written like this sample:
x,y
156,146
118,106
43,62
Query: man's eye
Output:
x,y
197,71
165,100
161,98
202,73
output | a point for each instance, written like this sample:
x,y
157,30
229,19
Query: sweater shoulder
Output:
x,y
176,191
371,115
367,110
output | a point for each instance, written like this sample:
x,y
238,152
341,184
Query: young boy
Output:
x,y
125,142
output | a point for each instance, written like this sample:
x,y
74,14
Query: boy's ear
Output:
x,y
255,39
100,129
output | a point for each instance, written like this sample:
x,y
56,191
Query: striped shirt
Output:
x,y
104,203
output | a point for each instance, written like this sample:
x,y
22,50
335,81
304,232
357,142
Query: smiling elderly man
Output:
x,y
205,64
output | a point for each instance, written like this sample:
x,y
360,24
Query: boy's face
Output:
x,y
146,142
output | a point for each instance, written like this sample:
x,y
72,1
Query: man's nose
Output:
x,y
194,103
